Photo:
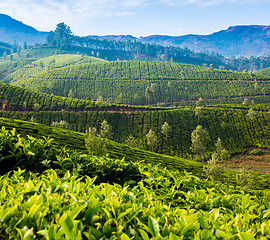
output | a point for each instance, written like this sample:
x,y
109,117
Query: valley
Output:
x,y
95,144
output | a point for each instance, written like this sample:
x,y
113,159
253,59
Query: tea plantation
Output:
x,y
144,83
71,195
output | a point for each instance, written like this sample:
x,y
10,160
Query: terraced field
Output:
x,y
146,82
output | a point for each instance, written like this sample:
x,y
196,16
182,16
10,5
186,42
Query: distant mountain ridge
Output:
x,y
250,40
11,29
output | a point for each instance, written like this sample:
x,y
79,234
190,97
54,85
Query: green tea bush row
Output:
x,y
232,125
170,82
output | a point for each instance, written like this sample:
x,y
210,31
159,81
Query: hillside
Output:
x,y
235,41
264,71
231,123
52,62
5,47
77,196
19,99
249,40
226,121
13,30
167,82
75,140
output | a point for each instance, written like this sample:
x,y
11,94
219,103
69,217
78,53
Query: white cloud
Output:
x,y
45,14
210,2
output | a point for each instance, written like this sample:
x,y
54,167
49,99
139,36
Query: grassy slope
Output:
x,y
264,71
75,140
232,125
52,62
172,82
19,99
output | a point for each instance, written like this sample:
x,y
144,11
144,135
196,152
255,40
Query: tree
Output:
x,y
36,106
245,102
25,46
163,57
4,55
166,130
62,37
106,130
94,144
198,112
70,93
256,86
131,141
199,140
199,102
25,105
62,124
149,93
221,153
251,114
244,178
151,139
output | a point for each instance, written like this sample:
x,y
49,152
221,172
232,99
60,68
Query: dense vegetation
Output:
x,y
45,64
233,125
53,189
5,48
19,99
22,99
264,71
168,82
134,50
86,197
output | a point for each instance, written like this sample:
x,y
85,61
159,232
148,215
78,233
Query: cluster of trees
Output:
x,y
63,38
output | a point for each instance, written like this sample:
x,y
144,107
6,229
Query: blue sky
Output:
x,y
139,17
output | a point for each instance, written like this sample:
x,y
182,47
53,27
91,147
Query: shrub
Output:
x,y
257,152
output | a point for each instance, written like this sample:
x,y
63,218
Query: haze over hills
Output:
x,y
245,41
253,40
11,29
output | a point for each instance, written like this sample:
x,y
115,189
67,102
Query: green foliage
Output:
x,y
61,37
94,143
75,140
199,140
251,114
166,130
257,152
220,154
28,153
61,124
131,141
165,205
151,139
112,81
244,179
228,122
106,130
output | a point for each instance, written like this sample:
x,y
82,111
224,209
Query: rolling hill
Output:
x,y
75,140
126,82
264,71
250,40
52,62
242,40
230,123
77,193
